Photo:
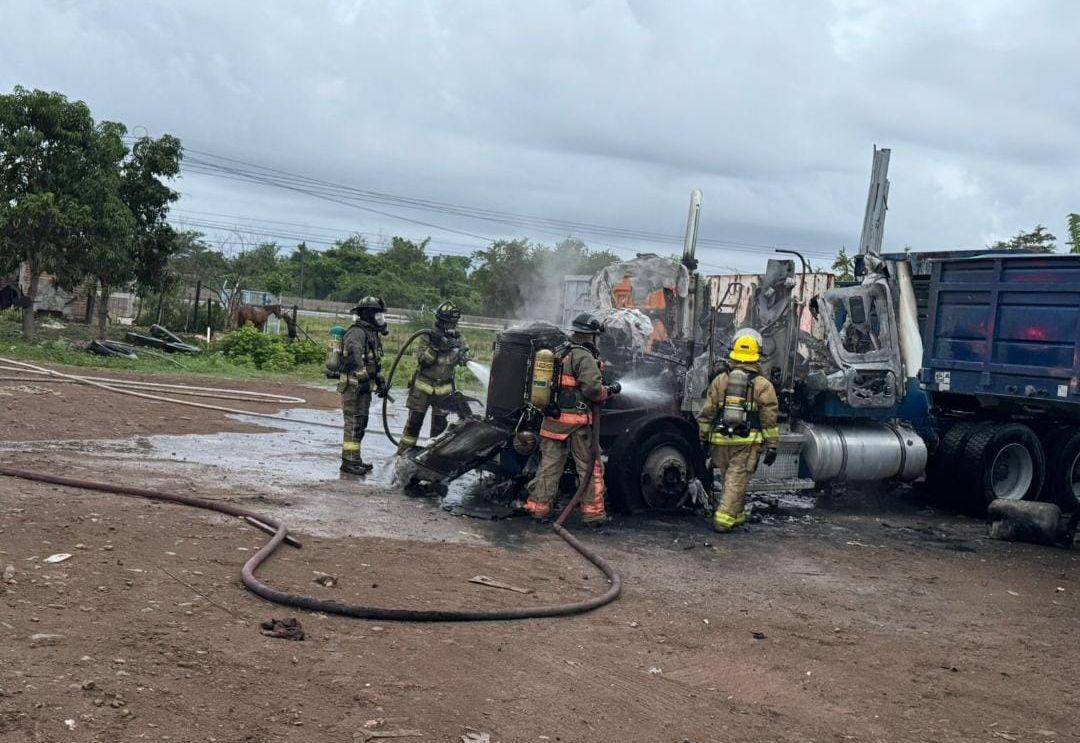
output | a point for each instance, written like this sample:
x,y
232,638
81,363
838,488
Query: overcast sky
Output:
x,y
608,112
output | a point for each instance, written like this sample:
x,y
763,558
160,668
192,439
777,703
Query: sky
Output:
x,y
607,112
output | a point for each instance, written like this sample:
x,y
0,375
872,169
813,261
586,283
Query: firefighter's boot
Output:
x,y
724,523
356,467
412,431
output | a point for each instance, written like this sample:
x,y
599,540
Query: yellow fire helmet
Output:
x,y
745,349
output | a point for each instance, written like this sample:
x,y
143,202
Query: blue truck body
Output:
x,y
1002,334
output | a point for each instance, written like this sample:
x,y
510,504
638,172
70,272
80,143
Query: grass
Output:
x,y
63,343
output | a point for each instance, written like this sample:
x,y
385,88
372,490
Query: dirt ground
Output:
x,y
882,621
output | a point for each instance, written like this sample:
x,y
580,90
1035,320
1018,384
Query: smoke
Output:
x,y
542,290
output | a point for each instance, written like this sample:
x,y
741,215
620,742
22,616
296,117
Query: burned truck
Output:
x,y
958,370
650,444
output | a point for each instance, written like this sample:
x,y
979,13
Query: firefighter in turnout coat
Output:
x,y
738,421
442,351
580,384
361,374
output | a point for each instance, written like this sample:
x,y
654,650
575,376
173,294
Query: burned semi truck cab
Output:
x,y
650,446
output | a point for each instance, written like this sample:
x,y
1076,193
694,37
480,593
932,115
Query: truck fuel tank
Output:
x,y
860,452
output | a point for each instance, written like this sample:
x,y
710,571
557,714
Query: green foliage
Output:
x,y
75,201
250,346
1038,240
47,174
307,352
1073,222
844,266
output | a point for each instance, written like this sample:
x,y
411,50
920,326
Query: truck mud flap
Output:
x,y
464,447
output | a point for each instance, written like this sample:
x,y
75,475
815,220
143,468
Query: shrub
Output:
x,y
250,345
307,352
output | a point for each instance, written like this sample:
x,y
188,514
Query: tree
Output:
x,y
1036,241
844,266
46,162
1074,233
148,198
500,275
128,239
108,249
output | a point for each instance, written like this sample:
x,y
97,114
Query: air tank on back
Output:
x,y
511,365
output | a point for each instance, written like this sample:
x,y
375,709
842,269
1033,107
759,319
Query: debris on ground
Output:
x,y
41,638
58,557
325,580
378,734
1031,521
476,737
490,582
286,629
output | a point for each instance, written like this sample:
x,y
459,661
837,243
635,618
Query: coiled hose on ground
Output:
x,y
281,534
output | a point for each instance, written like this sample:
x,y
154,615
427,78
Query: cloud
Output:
x,y
607,111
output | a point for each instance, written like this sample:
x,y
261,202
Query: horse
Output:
x,y
258,315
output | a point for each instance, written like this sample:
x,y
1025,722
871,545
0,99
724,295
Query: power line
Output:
x,y
210,164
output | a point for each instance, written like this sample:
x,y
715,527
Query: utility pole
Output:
x,y
302,247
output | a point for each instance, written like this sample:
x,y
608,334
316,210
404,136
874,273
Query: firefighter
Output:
x,y
442,351
361,373
738,420
569,425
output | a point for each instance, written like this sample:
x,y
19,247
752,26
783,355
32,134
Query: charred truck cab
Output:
x,y
648,307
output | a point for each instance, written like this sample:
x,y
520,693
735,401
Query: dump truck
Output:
x,y
957,370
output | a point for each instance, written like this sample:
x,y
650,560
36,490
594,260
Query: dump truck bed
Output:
x,y
1005,331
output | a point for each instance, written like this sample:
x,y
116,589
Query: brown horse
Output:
x,y
258,315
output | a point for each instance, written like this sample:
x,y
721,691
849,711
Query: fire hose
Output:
x,y
281,534
390,380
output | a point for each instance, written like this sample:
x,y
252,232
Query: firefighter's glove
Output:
x,y
770,456
382,389
613,389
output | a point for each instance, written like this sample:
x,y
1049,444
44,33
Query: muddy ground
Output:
x,y
883,621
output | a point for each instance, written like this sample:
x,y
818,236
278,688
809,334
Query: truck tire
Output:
x,y
1001,460
653,474
1063,468
943,465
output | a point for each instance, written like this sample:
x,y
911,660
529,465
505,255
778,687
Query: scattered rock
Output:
x,y
326,580
286,629
41,639
9,574
88,685
58,557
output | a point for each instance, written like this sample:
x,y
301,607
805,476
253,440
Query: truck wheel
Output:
x,y
1002,461
1063,469
654,474
943,466
665,471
